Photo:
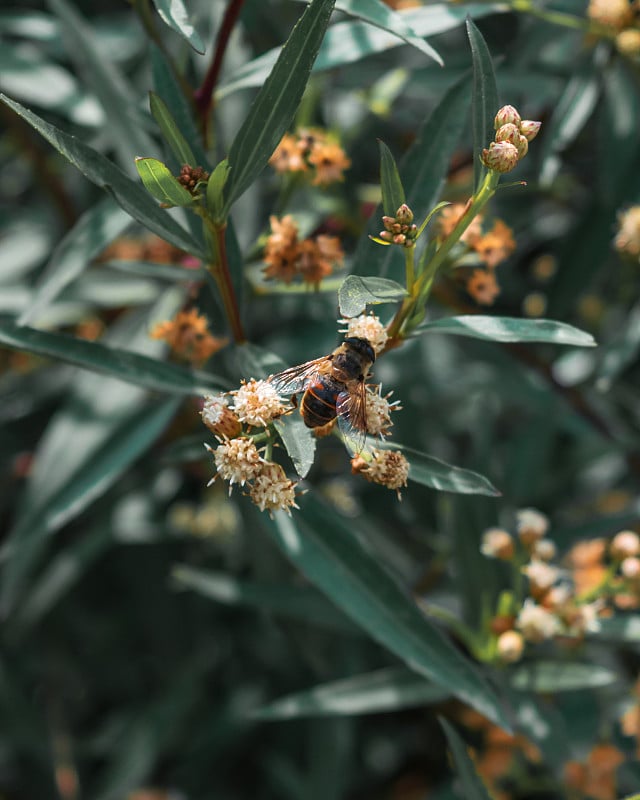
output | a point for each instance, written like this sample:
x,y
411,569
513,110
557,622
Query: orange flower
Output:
x,y
330,162
449,217
287,156
496,245
483,287
187,334
288,258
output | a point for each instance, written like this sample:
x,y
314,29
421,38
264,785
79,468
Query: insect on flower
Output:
x,y
333,386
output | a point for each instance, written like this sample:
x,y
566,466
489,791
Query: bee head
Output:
x,y
362,346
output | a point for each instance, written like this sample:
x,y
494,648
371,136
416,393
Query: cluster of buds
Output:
x,y
400,229
237,458
192,178
553,607
511,143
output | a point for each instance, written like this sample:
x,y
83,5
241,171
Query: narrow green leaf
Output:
x,y
161,183
126,124
325,548
129,367
510,329
560,676
275,106
390,183
384,690
621,352
95,229
296,602
437,474
170,131
167,87
484,103
127,193
174,14
472,786
423,171
377,13
357,293
215,190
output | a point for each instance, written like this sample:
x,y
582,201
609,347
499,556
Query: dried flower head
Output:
x,y
288,258
510,646
483,287
287,157
219,418
627,240
330,162
531,525
536,623
369,327
257,403
311,151
495,245
387,467
271,490
379,410
497,543
188,336
237,461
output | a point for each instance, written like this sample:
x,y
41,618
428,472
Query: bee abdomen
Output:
x,y
318,405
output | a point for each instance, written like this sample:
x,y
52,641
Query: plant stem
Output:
x,y
409,267
220,271
203,96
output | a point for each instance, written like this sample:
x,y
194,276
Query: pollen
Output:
x,y
369,327
271,490
256,403
237,461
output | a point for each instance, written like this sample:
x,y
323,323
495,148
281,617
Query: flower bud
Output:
x,y
497,543
544,549
500,157
388,222
399,238
386,236
508,133
624,544
628,42
523,146
630,568
404,215
510,646
531,525
529,129
505,115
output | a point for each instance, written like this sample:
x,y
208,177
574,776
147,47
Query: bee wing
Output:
x,y
296,379
351,408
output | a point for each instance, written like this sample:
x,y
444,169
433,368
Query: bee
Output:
x,y
333,386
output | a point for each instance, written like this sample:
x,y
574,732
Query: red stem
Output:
x,y
203,96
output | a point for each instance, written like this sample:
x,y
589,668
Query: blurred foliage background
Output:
x,y
150,623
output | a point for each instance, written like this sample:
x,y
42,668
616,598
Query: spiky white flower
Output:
x,y
237,461
366,326
379,410
531,525
257,403
271,490
219,418
536,623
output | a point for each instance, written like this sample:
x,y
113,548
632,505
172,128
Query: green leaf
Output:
x,y
129,367
161,184
423,171
95,229
274,108
380,15
623,628
174,14
384,690
215,190
170,131
327,551
484,103
621,352
472,786
295,602
390,183
357,292
299,442
510,329
168,88
560,676
437,474
127,193
126,124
